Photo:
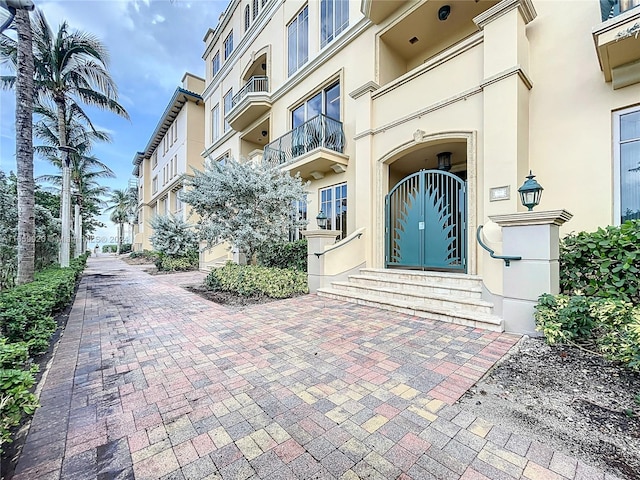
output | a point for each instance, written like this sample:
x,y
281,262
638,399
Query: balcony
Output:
x,y
617,44
250,103
313,149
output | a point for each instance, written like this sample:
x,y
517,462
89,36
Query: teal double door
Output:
x,y
426,222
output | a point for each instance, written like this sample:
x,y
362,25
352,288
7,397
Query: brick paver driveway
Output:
x,y
150,381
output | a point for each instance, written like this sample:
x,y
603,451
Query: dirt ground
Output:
x,y
572,400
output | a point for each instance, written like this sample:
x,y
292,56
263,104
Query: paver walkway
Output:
x,y
150,381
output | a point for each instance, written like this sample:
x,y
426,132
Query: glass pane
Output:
x,y
342,15
630,180
314,106
630,126
298,116
326,22
303,37
332,107
293,47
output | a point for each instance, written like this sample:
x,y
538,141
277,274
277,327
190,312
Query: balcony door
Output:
x,y
326,102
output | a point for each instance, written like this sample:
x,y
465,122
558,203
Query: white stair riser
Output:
x,y
434,288
427,278
448,318
448,303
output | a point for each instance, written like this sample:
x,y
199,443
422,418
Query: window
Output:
x,y
298,214
264,2
154,185
255,9
334,18
175,130
333,202
222,159
177,203
165,205
246,18
228,45
326,102
154,159
215,123
215,64
228,97
298,40
627,165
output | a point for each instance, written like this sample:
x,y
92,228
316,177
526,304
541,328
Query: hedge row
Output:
x,y
254,280
26,326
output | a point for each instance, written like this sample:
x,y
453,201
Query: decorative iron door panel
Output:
x,y
426,222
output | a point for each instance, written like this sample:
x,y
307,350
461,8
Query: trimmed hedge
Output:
x,y
255,280
284,255
177,263
26,327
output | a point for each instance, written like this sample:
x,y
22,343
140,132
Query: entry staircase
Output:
x,y
448,297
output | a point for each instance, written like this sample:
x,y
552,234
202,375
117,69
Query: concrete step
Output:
x,y
451,301
427,278
456,316
431,287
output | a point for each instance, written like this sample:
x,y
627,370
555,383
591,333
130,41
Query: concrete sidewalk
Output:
x,y
150,381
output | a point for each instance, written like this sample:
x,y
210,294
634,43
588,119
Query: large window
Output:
x,y
627,164
215,64
334,18
215,123
298,214
228,45
333,202
246,18
254,12
228,97
298,40
326,102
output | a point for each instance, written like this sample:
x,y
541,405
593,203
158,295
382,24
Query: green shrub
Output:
x,y
146,254
604,263
109,248
253,280
16,380
284,255
125,248
176,263
611,326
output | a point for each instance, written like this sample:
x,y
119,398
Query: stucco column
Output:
x,y
535,237
317,241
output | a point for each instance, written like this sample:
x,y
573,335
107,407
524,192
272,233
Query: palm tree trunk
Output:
x,y
24,149
65,208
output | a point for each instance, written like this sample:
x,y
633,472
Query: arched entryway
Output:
x,y
426,214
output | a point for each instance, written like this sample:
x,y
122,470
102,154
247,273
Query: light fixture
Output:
x,y
530,192
413,40
264,133
264,67
443,12
444,161
321,220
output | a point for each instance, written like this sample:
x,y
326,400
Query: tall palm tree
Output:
x,y
71,67
24,149
120,207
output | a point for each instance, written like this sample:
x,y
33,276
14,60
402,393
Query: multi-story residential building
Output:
x,y
173,150
417,121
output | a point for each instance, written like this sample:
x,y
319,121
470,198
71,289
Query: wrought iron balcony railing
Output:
x,y
255,84
613,8
320,131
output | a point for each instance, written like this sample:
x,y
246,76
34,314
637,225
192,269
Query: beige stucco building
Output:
x,y
361,97
171,154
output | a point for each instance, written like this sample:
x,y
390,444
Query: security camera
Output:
x,y
19,4
443,12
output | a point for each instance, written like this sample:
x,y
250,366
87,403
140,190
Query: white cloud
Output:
x,y
157,19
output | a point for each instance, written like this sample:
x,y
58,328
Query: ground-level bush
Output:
x,y
284,255
177,263
604,263
125,248
610,326
26,327
254,280
109,248
146,254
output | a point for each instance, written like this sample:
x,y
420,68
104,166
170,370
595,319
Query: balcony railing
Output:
x,y
255,84
320,131
613,8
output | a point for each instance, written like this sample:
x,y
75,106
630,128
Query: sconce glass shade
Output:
x,y
321,219
530,192
444,161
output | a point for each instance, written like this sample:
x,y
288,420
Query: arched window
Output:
x,y
264,2
255,9
246,18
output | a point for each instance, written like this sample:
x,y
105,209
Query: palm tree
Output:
x,y
84,168
71,66
24,149
120,207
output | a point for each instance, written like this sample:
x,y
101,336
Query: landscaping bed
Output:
x,y
567,398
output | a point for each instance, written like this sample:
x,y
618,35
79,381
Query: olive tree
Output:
x,y
244,203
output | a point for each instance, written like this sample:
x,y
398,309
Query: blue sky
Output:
x,y
151,44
